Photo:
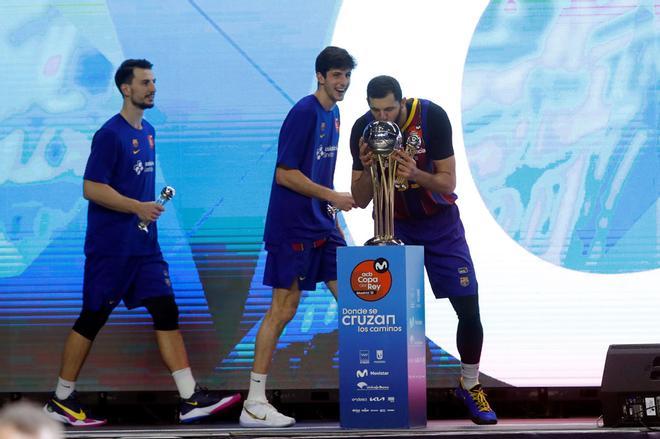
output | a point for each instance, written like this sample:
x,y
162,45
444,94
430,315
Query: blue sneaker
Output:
x,y
69,411
202,403
476,403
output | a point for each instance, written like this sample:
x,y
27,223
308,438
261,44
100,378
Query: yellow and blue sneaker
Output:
x,y
203,403
477,404
69,411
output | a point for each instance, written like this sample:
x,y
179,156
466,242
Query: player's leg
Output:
x,y
257,412
469,341
469,337
282,309
332,286
165,316
102,278
328,268
76,349
451,273
152,289
289,268
79,342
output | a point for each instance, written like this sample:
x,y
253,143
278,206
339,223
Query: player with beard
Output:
x,y
426,214
122,262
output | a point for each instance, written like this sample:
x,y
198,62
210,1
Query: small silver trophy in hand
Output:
x,y
165,195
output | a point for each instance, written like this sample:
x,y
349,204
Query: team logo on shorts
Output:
x,y
371,280
166,277
465,281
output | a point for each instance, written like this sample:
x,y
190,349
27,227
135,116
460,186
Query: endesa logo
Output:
x,y
371,280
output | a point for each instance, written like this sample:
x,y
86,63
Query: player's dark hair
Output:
x,y
334,58
381,86
124,74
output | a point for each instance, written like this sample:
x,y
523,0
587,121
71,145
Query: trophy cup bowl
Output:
x,y
167,193
383,138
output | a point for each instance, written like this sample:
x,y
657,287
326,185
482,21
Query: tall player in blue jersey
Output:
x,y
426,214
122,262
301,234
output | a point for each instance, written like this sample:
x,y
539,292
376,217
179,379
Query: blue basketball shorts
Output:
x,y
446,254
309,262
111,279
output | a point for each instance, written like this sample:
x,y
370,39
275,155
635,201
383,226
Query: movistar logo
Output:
x,y
381,265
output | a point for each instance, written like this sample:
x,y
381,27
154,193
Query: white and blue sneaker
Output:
x,y
264,415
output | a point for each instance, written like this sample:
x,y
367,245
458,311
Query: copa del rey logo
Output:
x,y
371,280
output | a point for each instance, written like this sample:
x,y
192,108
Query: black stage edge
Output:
x,y
160,407
507,428
524,413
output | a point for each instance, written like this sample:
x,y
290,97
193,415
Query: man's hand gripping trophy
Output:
x,y
166,194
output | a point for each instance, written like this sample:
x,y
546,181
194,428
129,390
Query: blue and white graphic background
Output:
x,y
555,114
560,140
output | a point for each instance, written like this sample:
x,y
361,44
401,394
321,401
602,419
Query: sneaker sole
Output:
x,y
482,422
74,422
249,422
197,414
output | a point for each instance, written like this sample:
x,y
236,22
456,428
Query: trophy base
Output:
x,y
383,241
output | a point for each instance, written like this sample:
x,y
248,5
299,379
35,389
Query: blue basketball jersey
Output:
x,y
308,142
125,159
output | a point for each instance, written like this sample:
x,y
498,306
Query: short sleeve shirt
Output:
x,y
124,158
308,142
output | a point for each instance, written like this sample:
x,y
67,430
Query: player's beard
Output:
x,y
142,105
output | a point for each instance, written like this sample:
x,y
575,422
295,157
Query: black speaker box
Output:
x,y
630,389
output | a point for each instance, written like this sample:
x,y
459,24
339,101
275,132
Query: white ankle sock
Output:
x,y
470,375
64,388
257,390
185,382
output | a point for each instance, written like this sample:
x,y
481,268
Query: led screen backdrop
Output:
x,y
555,115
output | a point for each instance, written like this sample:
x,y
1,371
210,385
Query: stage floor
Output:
x,y
506,428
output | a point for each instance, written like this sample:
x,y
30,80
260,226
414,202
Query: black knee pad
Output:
x,y
89,323
466,308
164,313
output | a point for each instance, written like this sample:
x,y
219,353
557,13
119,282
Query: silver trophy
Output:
x,y
383,138
413,144
165,195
